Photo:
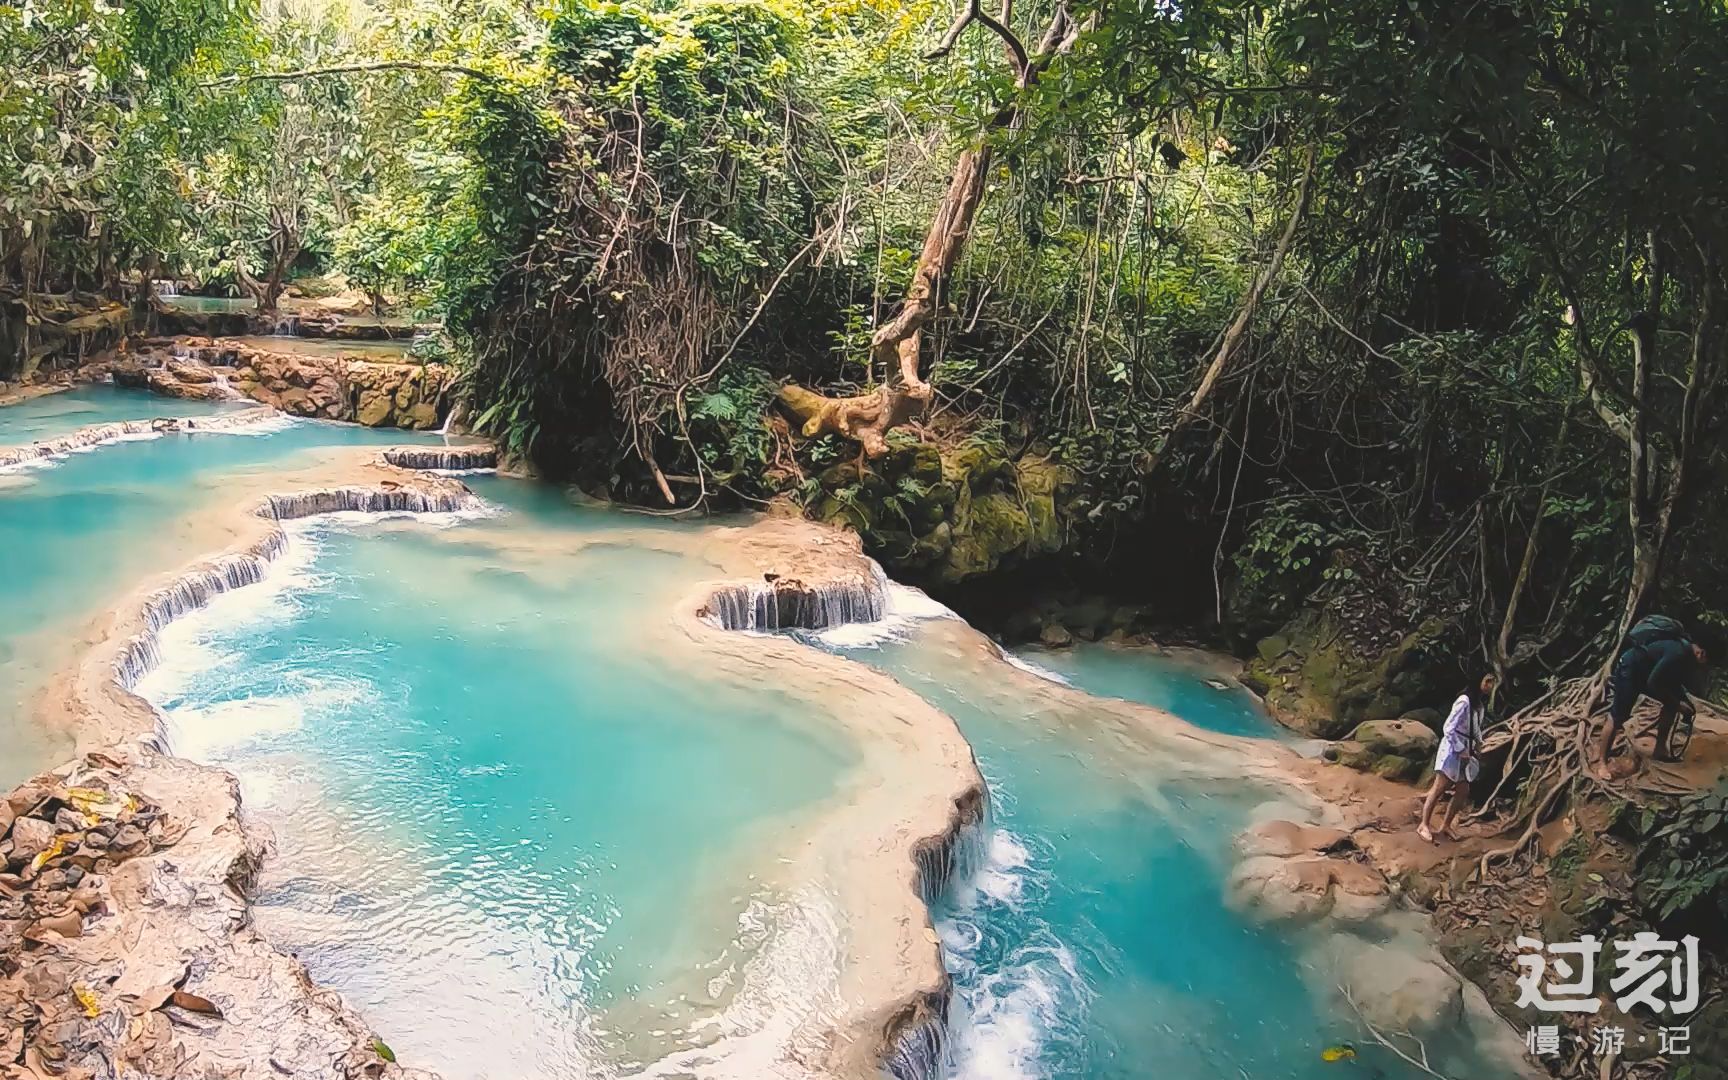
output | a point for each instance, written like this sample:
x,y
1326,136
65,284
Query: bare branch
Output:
x,y
351,69
974,12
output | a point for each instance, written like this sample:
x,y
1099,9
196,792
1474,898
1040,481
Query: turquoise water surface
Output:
x,y
513,831
83,530
53,415
531,831
1163,681
1095,944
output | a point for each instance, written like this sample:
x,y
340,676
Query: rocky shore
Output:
x,y
365,391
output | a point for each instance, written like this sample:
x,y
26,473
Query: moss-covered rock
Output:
x,y
1320,684
946,516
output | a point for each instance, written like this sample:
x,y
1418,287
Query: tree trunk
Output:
x,y
895,347
1239,327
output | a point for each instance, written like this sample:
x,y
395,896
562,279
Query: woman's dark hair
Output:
x,y
1473,690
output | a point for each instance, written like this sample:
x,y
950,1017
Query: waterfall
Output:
x,y
166,288
366,500
227,388
451,419
783,603
920,1046
442,457
958,853
189,592
918,1050
86,438
197,587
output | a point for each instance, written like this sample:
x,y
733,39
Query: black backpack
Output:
x,y
1651,629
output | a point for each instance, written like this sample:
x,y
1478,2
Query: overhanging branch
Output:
x,y
351,69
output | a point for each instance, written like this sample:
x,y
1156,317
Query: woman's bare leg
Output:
x,y
1435,790
1460,797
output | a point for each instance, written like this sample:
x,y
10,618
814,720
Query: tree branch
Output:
x,y
1239,328
974,12
350,69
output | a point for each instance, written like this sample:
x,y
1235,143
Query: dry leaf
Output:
x,y
87,998
67,925
194,1003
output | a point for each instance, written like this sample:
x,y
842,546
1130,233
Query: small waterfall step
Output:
x,y
443,457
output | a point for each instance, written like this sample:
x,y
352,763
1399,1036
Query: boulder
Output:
x,y
1307,887
1055,636
1316,680
1286,838
421,417
1400,738
375,408
30,837
1432,719
1395,749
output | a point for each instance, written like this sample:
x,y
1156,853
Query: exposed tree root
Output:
x,y
865,418
1549,746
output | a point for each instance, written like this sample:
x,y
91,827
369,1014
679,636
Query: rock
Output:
x,y
188,372
296,401
421,417
1322,685
1400,738
1395,749
30,837
1286,838
1400,991
1432,719
375,408
1307,887
1056,636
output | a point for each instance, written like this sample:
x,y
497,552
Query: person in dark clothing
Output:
x,y
1661,669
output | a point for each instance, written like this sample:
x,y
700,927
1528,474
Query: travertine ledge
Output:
x,y
94,435
124,922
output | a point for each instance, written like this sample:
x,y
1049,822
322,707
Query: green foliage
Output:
x,y
1683,860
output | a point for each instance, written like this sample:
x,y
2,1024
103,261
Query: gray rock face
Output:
x,y
30,837
1056,636
1400,738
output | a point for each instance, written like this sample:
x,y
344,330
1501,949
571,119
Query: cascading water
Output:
x,y
101,434
443,458
920,1049
304,504
782,603
195,589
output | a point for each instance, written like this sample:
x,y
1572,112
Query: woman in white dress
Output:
x,y
1456,764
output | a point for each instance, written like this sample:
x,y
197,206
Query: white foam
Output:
x,y
907,607
188,646
1032,669
1007,1013
1012,1013
203,733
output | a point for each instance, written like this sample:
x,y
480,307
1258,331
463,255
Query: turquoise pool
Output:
x,y
53,415
1171,682
85,529
1094,943
514,831
530,832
